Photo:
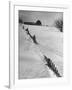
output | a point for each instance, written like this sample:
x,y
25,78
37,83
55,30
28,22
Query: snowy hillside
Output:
x,y
50,44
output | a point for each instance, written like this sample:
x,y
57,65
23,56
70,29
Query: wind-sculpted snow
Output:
x,y
31,56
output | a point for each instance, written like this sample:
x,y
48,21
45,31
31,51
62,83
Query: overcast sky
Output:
x,y
46,18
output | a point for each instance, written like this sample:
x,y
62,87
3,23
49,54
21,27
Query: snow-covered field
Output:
x,y
50,44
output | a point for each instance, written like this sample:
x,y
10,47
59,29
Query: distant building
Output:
x,y
38,22
29,23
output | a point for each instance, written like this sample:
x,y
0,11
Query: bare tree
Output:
x,y
20,20
59,24
38,22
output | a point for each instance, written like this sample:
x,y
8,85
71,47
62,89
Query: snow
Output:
x,y
30,56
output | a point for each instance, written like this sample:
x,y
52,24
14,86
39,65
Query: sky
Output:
x,y
46,18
